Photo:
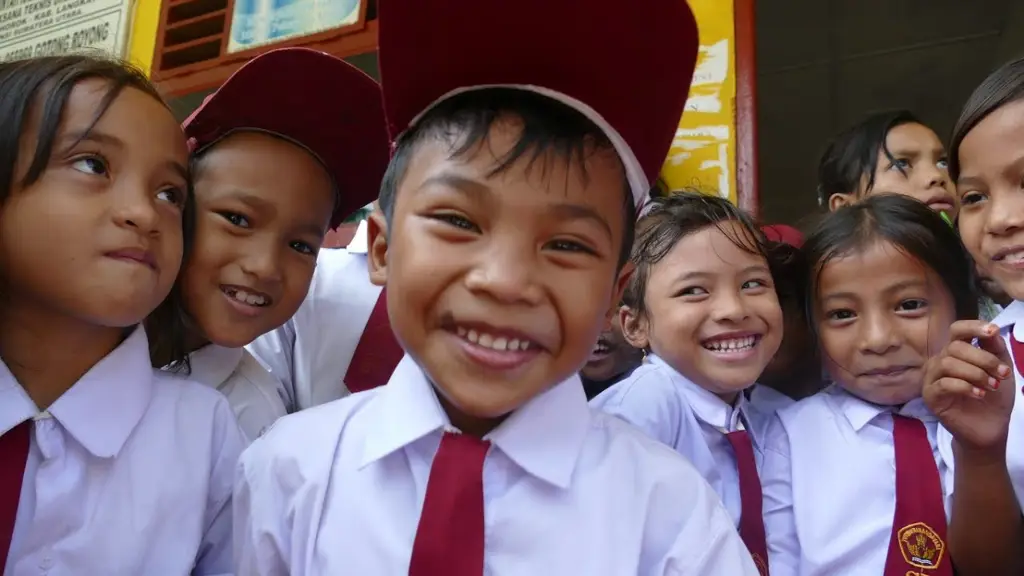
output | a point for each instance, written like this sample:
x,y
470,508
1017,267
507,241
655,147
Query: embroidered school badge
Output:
x,y
921,546
762,566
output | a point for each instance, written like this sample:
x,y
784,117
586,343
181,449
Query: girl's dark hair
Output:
x,y
907,224
548,127
1004,86
39,88
671,218
853,154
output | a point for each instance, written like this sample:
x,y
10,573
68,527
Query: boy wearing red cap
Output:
x,y
506,218
287,147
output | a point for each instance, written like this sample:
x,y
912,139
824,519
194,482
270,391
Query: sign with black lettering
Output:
x,y
30,28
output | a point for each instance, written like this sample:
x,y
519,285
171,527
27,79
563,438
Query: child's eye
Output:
x,y
691,291
569,246
943,164
456,221
90,165
971,198
303,248
900,164
841,314
173,195
912,305
752,284
235,218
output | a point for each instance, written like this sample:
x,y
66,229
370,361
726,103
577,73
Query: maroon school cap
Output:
x,y
626,66
319,102
783,234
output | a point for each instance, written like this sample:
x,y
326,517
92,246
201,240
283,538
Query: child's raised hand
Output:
x,y
972,389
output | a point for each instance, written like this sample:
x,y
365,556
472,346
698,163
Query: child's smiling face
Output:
x,y
500,283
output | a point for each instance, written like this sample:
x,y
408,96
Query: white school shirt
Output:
x,y
338,489
1013,315
256,396
829,482
674,411
311,352
129,473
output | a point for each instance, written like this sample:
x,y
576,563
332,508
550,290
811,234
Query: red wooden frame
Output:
x,y
357,38
747,194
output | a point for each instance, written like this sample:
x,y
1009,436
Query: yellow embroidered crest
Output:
x,y
921,546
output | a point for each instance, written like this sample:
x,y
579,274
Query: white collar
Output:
x,y
213,364
706,406
544,437
859,412
100,410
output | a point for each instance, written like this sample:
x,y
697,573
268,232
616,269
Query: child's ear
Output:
x,y
620,286
377,257
838,200
634,327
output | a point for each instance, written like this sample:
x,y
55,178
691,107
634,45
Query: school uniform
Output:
x,y
1011,326
312,353
673,410
349,501
832,467
128,473
256,396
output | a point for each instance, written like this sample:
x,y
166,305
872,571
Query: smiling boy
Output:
x,y
506,219
287,147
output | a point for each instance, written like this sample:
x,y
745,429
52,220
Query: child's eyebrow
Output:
x,y
474,189
75,137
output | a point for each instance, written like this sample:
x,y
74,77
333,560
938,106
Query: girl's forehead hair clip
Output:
x,y
946,218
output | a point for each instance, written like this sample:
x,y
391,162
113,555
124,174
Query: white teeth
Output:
x,y
247,297
1014,257
501,343
731,344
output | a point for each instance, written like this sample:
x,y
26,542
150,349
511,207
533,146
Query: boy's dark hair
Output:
x,y
1004,86
852,155
673,217
42,86
548,128
907,224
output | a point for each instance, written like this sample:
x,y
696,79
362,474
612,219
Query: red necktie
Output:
x,y
13,456
450,536
377,353
1017,351
751,517
918,541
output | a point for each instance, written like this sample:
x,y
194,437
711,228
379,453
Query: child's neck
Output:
x,y
47,352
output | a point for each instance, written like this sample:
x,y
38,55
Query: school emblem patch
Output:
x,y
921,546
762,566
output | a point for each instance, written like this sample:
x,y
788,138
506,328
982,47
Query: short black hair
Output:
x,y
1002,87
910,226
853,154
549,127
673,217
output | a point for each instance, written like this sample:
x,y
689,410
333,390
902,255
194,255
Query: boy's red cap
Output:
x,y
783,234
315,100
626,65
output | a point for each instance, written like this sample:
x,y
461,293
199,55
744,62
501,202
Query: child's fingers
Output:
x,y
968,330
983,359
996,346
951,367
954,388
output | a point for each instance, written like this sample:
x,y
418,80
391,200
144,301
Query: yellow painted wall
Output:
x,y
703,154
142,39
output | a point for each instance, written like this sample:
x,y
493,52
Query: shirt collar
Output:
x,y
859,413
360,240
544,437
1012,315
213,364
706,406
100,410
